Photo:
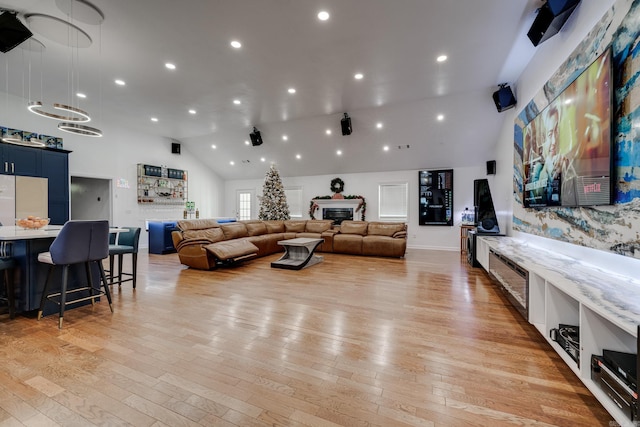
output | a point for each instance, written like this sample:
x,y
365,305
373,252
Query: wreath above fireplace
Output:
x,y
337,185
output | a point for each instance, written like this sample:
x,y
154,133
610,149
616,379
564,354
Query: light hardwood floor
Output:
x,y
353,341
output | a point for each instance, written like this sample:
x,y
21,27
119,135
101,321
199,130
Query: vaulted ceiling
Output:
x,y
393,44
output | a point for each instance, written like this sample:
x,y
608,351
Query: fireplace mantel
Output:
x,y
352,204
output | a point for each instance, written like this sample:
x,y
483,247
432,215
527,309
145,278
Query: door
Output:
x,y
7,199
23,161
244,204
55,167
90,198
32,197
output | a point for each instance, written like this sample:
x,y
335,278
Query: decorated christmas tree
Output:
x,y
273,202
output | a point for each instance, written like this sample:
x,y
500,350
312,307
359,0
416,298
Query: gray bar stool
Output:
x,y
79,242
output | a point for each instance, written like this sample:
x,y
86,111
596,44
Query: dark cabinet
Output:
x,y
23,161
160,241
55,167
41,162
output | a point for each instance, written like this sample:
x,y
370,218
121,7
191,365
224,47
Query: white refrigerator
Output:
x,y
21,196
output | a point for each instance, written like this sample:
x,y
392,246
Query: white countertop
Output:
x,y
615,296
12,232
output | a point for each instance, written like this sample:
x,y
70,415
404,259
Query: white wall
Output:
x,y
115,156
366,185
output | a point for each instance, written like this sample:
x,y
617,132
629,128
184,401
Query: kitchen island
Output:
x,y
30,275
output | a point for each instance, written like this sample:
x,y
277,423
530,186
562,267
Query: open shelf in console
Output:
x,y
562,290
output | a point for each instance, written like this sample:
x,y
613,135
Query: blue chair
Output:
x,y
7,266
127,243
78,242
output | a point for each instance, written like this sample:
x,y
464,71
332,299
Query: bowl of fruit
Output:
x,y
32,222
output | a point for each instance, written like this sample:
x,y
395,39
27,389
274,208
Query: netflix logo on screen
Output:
x,y
592,188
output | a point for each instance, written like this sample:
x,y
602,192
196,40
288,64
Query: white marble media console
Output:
x,y
563,290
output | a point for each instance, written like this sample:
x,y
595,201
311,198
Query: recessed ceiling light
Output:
x,y
441,58
120,82
81,95
358,76
232,163
246,142
298,156
192,111
385,148
379,125
154,119
213,146
339,152
323,15
328,131
236,44
291,90
440,117
262,159
236,101
170,66
285,138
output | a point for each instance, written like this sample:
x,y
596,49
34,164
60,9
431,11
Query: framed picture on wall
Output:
x,y
435,202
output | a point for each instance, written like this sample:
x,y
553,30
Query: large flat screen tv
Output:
x,y
567,148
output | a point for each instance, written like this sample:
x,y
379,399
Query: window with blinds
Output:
x,y
393,201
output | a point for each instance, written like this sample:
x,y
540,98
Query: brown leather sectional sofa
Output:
x,y
203,243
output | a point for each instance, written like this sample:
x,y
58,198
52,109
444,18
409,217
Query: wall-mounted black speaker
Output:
x,y
345,123
256,138
491,167
504,98
12,32
551,17
175,148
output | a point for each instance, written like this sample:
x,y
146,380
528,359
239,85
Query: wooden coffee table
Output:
x,y
298,253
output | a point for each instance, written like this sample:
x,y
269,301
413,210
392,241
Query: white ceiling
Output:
x,y
394,43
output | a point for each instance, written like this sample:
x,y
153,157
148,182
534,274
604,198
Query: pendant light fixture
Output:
x,y
67,33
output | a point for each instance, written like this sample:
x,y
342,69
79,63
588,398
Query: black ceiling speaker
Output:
x,y
504,98
551,17
12,32
175,148
345,123
256,139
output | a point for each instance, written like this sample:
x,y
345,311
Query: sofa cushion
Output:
x,y
353,227
234,230
274,226
347,244
318,225
232,249
210,234
197,224
384,228
294,225
255,228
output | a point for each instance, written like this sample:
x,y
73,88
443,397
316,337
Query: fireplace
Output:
x,y
337,214
338,209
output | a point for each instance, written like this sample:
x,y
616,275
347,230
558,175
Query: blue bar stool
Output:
x,y
7,266
127,243
79,242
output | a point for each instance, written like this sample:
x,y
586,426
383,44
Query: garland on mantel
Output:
x,y
362,206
